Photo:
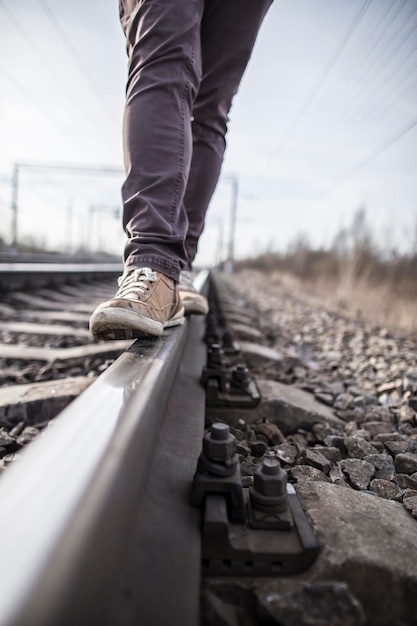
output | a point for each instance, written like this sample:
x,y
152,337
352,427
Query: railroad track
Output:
x,y
97,525
83,482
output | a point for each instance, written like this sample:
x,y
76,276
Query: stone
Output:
x,y
396,447
359,448
335,388
384,488
303,473
409,493
374,428
331,453
407,414
351,428
362,433
6,441
247,468
271,431
313,604
406,463
291,408
286,452
411,505
390,436
314,458
258,448
358,472
366,554
344,401
237,432
412,445
336,441
384,465
325,398
406,482
323,430
242,447
337,476
29,434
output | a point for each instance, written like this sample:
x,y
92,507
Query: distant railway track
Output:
x,y
108,486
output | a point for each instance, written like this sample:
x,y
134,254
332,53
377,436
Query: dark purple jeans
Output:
x,y
186,60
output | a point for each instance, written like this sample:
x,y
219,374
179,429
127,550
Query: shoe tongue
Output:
x,y
146,272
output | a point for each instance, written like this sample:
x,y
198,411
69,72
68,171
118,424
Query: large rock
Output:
x,y
322,604
368,543
292,408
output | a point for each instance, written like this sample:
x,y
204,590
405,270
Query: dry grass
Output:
x,y
359,285
375,304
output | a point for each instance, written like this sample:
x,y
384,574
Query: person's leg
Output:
x,y
228,33
163,45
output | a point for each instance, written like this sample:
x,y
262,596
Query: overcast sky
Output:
x,y
324,122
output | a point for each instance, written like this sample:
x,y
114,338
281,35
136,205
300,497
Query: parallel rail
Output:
x,y
82,511
15,276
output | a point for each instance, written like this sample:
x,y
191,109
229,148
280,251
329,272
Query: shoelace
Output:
x,y
135,282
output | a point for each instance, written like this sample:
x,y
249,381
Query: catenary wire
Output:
x,y
102,96
316,89
364,162
44,58
49,113
376,38
382,68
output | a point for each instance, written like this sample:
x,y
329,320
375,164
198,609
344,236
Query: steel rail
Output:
x,y
16,275
69,505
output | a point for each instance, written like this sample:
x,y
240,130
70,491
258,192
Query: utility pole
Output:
x,y
229,266
100,170
99,208
15,195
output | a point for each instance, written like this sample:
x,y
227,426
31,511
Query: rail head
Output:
x,y
64,515
19,275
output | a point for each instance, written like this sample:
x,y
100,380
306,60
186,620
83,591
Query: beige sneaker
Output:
x,y
146,303
192,300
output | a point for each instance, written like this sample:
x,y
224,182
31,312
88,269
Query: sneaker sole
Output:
x,y
196,308
197,305
116,323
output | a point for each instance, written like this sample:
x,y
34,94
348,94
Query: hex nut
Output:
x,y
215,357
219,444
270,479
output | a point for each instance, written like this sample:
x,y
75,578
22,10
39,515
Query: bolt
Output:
x,y
219,445
269,491
220,431
215,357
228,340
271,466
240,376
270,479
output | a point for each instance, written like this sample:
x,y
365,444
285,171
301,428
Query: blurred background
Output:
x,y
322,142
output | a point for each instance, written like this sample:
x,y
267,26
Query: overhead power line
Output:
x,y
374,155
39,52
49,113
72,50
312,96
374,40
383,66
